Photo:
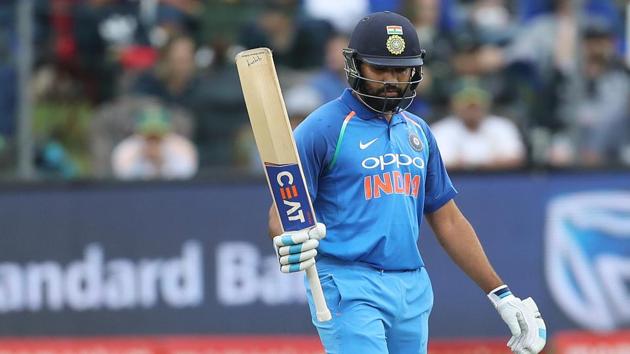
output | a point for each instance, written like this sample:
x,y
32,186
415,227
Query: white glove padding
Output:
x,y
529,333
296,250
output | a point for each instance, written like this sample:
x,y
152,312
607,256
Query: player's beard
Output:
x,y
381,102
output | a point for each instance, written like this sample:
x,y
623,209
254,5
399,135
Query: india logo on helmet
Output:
x,y
395,44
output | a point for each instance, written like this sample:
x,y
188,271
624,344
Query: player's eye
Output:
x,y
380,69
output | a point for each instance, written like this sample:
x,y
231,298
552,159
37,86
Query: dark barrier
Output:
x,y
195,258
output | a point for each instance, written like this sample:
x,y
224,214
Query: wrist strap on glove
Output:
x,y
498,294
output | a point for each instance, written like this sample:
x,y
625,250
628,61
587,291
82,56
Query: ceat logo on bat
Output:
x,y
289,192
587,257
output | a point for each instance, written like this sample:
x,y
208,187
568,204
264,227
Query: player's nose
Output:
x,y
389,75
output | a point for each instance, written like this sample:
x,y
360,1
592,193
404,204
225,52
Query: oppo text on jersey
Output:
x,y
397,160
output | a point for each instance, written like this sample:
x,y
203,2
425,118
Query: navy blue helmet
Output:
x,y
384,39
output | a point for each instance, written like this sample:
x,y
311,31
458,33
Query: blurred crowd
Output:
x,y
144,89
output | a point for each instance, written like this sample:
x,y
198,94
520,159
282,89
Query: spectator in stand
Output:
x,y
593,102
460,55
8,90
473,138
433,21
545,47
492,20
174,79
342,15
154,151
548,45
99,30
60,116
221,112
547,42
610,9
511,86
7,157
166,18
114,121
542,53
325,85
297,42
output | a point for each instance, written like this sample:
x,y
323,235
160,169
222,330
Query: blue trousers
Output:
x,y
373,311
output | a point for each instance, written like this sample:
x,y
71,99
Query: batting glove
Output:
x,y
296,250
529,333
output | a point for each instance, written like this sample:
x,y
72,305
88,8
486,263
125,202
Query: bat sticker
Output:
x,y
289,191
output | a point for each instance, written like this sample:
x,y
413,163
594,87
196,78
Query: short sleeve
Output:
x,y
438,189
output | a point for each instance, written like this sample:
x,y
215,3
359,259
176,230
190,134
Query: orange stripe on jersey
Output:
x,y
411,120
340,138
282,194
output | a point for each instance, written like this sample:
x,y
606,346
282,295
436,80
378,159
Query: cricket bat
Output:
x,y
276,146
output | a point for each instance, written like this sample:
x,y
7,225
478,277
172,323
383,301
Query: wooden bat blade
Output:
x,y
265,106
274,138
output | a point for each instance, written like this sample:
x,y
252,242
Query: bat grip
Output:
x,y
323,314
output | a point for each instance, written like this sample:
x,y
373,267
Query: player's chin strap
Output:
x,y
387,101
389,104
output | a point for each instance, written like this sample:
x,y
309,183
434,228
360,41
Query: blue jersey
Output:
x,y
371,181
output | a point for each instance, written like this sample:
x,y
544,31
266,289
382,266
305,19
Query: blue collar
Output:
x,y
364,112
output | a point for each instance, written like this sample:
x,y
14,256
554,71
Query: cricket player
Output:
x,y
373,170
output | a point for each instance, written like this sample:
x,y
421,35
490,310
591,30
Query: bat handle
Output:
x,y
323,314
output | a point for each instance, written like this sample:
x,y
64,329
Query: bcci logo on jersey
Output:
x,y
289,192
587,256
